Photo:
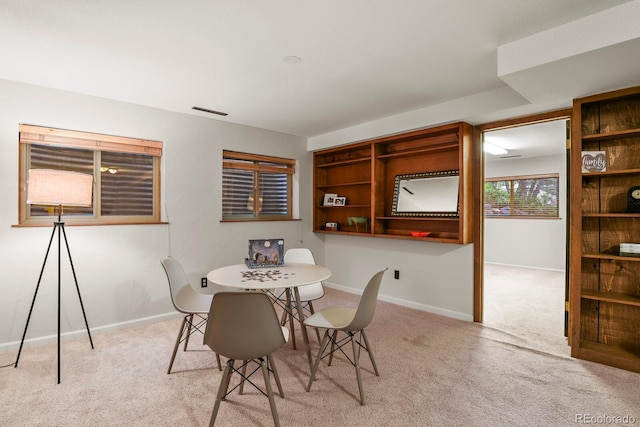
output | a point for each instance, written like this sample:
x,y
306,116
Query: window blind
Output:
x,y
256,186
524,196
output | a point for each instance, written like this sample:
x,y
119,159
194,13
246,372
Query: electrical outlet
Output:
x,y
396,274
203,282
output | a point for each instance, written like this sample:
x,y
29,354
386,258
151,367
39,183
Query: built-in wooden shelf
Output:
x,y
365,174
612,135
343,207
604,300
612,297
610,215
344,184
420,218
443,147
344,162
612,172
611,257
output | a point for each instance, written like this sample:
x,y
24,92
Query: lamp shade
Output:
x,y
56,187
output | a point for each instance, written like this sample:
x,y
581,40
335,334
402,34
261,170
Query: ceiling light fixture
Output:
x,y
493,149
206,110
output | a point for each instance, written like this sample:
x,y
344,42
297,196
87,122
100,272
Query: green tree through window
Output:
x,y
523,196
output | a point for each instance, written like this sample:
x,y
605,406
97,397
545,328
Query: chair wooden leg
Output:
x,y
222,390
272,365
244,374
267,384
313,312
291,319
230,363
286,309
370,351
175,347
333,343
356,362
218,360
189,330
323,346
293,331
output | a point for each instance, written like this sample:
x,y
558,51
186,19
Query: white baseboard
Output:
x,y
561,270
34,342
405,303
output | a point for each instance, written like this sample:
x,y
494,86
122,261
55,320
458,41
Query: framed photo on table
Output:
x,y
328,199
265,253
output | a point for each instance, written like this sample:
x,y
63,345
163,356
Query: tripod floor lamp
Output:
x,y
58,188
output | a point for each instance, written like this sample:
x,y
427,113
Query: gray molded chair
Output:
x,y
244,326
308,293
187,301
351,321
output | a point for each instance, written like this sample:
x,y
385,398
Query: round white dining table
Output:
x,y
287,276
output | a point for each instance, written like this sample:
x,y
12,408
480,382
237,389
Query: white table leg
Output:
x,y
289,309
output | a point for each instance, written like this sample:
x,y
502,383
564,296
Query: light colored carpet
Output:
x,y
528,303
434,371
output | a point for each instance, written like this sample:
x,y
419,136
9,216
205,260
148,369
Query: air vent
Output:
x,y
206,110
511,157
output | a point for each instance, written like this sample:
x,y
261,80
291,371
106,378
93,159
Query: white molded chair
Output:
x,y
308,293
244,326
187,301
351,321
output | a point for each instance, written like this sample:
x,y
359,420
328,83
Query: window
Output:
x,y
256,187
533,196
126,174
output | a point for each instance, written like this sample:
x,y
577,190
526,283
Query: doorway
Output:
x,y
524,247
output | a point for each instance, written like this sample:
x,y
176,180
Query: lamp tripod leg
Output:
x,y
75,279
35,294
60,227
59,294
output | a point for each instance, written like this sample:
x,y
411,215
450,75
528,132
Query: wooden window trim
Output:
x,y
32,134
511,200
287,167
521,177
260,168
226,154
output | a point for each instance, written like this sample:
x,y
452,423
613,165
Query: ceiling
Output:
x,y
361,60
531,140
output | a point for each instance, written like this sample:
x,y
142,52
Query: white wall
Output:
x,y
118,267
537,243
433,276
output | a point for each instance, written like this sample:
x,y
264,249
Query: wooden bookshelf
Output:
x,y
365,174
605,285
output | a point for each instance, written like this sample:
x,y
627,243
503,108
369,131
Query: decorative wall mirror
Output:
x,y
426,194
